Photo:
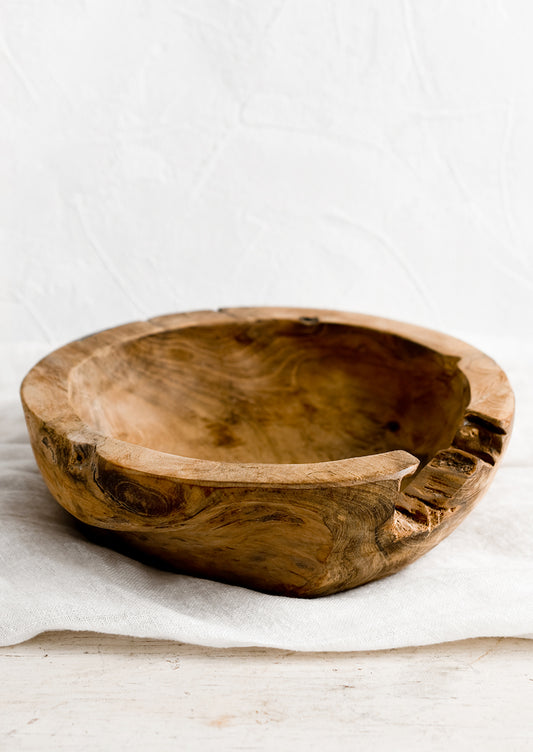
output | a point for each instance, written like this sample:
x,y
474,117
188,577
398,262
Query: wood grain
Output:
x,y
81,691
299,452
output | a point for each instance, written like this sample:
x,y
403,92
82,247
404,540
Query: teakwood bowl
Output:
x,y
296,452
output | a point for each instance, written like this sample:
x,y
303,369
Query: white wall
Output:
x,y
172,155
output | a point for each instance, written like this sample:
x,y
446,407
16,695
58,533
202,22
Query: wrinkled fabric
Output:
x,y
477,582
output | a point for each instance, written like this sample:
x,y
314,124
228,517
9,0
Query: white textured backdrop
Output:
x,y
171,155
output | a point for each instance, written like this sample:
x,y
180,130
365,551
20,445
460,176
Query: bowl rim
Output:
x,y
45,395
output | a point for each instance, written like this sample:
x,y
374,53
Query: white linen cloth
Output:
x,y
477,582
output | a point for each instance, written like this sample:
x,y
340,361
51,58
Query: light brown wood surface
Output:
x,y
299,452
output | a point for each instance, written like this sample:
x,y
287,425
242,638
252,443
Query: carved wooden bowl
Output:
x,y
298,452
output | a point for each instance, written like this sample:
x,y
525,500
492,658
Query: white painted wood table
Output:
x,y
95,692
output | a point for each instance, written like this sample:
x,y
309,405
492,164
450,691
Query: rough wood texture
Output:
x,y
298,452
80,692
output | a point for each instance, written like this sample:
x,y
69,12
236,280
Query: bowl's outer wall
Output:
x,y
290,530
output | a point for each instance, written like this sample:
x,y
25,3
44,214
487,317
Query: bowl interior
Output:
x,y
273,391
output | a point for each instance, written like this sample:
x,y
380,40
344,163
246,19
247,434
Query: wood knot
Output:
x,y
131,496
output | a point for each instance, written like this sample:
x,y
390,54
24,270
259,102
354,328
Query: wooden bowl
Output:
x,y
297,452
